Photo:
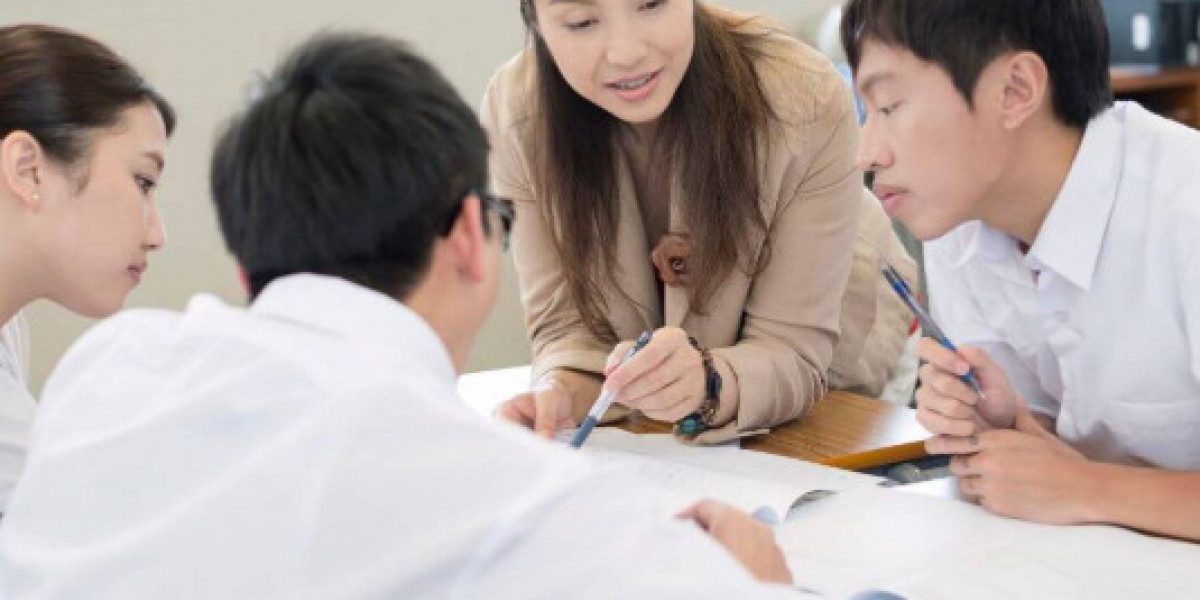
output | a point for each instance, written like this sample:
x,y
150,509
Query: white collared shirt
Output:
x,y
1106,336
314,447
16,404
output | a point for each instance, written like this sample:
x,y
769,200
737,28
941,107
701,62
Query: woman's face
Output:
x,y
94,240
625,56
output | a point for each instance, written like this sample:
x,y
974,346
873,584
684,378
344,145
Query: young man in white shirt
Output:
x,y
312,446
1063,238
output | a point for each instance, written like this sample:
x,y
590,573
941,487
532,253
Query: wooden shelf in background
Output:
x,y
1173,93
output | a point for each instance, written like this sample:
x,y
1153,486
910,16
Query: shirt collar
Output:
x,y
986,242
359,314
1072,235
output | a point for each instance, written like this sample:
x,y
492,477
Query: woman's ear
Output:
x,y
244,279
21,158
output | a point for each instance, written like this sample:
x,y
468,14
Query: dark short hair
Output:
x,y
965,36
349,164
59,86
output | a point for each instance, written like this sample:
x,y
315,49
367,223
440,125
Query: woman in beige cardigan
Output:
x,y
681,169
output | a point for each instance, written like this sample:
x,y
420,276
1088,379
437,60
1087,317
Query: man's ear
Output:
x,y
1026,87
21,158
467,242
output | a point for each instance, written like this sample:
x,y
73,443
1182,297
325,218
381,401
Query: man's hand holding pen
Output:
x,y
1003,455
947,405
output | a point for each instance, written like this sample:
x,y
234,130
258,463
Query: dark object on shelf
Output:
x,y
1154,33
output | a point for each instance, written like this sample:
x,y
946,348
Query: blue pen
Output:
x,y
931,329
606,398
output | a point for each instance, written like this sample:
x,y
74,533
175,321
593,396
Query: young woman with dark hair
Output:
x,y
82,140
688,170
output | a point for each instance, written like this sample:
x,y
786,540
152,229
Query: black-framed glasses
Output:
x,y
503,207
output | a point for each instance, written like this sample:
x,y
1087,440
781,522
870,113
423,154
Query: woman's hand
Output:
x,y
665,380
546,410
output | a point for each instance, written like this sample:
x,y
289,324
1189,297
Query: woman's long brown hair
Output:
x,y
709,136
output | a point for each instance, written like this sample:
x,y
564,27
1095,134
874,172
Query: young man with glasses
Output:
x,y
312,445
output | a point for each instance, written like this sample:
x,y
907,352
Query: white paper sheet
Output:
x,y
925,548
761,484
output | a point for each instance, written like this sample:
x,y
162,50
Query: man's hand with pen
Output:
x,y
947,405
1003,455
962,392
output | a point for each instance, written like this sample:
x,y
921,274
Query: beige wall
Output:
x,y
200,53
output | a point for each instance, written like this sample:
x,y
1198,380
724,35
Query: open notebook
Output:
x,y
869,543
764,485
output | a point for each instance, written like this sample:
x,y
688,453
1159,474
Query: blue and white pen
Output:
x,y
606,398
931,329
